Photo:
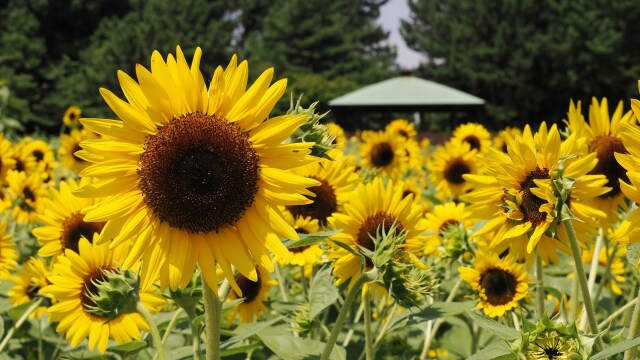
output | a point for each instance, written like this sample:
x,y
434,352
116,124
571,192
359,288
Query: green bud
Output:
x,y
115,294
312,130
551,337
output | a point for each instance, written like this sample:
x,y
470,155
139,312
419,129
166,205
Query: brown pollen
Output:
x,y
530,202
454,170
605,146
381,154
499,286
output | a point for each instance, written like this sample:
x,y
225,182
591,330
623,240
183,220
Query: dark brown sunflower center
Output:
x,y
32,290
454,170
499,286
407,193
73,116
28,194
530,202
38,154
250,289
95,276
75,228
76,147
503,148
445,224
199,173
473,141
381,154
605,146
19,165
369,228
324,203
403,133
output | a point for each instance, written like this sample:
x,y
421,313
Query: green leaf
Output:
x,y
349,249
241,349
496,350
617,348
322,293
19,311
1,327
493,326
310,239
254,329
129,347
291,347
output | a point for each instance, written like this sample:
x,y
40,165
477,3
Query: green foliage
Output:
x,y
528,58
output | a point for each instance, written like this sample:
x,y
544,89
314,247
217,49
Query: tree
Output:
x,y
526,58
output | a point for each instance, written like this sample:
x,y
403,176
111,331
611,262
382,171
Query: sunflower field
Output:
x,y
199,223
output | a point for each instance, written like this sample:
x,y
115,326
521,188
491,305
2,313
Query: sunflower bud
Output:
x,y
561,340
455,241
312,130
114,294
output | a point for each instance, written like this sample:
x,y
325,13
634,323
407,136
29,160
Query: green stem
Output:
x,y
430,335
153,330
368,337
582,279
386,325
172,323
342,316
633,331
281,284
19,323
212,312
540,287
40,353
617,313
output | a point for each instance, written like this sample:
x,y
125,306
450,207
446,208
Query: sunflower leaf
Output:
x,y
129,347
323,292
496,350
310,239
254,329
493,326
353,252
617,348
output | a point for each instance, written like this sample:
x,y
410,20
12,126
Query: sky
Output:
x,y
390,15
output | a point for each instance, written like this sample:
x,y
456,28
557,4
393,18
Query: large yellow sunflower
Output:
x,y
500,283
72,283
8,254
254,294
518,188
194,175
385,153
603,138
69,144
28,282
63,220
370,207
27,194
337,179
448,165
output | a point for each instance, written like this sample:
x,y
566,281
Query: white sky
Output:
x,y
390,15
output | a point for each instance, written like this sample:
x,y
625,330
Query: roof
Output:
x,y
406,92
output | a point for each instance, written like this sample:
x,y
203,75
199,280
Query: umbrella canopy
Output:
x,y
406,93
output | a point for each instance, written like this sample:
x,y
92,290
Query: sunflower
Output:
x,y
442,217
385,153
71,115
192,175
8,254
305,256
414,155
628,230
63,220
28,283
370,207
254,294
519,188
551,346
27,195
500,140
603,138
24,159
339,137
337,179
7,157
72,284
500,283
476,135
69,144
403,128
448,166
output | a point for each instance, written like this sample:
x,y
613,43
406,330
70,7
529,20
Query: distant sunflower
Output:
x,y
500,140
403,128
337,179
8,254
449,164
69,144
500,283
339,137
24,159
385,153
371,207
28,282
476,135
442,217
603,138
7,157
27,194
63,220
71,115
194,175
254,294
305,256
72,283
